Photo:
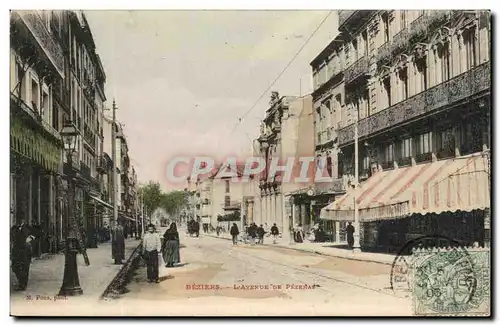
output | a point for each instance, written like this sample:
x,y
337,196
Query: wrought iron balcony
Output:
x,y
357,69
450,92
101,165
49,45
85,170
336,186
404,161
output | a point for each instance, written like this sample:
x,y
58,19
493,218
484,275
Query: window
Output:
x,y
385,20
424,143
354,51
445,62
445,140
34,95
422,69
387,89
365,163
403,78
406,148
470,48
389,153
364,35
228,189
227,201
45,110
329,165
20,75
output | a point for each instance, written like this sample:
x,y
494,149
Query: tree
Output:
x,y
174,202
152,196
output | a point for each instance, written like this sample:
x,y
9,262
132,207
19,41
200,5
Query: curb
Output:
x,y
314,252
117,285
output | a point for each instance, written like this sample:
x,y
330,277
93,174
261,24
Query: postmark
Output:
x,y
451,281
401,277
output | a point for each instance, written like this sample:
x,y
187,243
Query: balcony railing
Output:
x,y
336,186
46,41
357,69
424,157
452,91
416,32
85,170
404,161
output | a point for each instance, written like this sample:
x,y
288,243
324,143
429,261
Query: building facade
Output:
x,y
286,132
55,76
418,86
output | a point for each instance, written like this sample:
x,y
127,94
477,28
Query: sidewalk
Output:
x,y
326,249
46,274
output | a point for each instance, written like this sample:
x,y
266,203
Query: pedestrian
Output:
x,y
350,235
118,243
245,237
260,233
21,252
252,232
234,233
151,246
275,233
299,234
170,248
217,230
197,228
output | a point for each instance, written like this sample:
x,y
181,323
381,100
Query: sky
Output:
x,y
182,79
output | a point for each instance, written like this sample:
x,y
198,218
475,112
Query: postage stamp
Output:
x,y
451,281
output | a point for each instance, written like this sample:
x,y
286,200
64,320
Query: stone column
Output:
x,y
337,231
279,210
250,211
303,214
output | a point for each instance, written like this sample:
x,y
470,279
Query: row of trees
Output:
x,y
173,202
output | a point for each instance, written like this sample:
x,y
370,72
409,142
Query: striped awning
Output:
x,y
459,184
34,146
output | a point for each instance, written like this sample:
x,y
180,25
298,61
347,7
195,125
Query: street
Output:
x,y
214,272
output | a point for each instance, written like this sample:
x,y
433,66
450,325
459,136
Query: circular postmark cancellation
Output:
x,y
401,276
441,276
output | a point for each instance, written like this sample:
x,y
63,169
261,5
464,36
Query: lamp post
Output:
x,y
71,281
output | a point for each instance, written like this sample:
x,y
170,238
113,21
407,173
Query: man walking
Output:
x,y
151,246
118,243
260,233
234,233
21,248
275,233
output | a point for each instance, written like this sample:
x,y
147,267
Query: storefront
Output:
x,y
449,198
34,162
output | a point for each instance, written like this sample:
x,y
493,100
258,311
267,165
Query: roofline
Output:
x,y
328,49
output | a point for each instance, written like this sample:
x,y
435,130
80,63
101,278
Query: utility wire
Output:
x,y
282,72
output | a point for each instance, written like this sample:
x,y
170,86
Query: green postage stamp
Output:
x,y
451,282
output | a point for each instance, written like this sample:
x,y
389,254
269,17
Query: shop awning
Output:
x,y
101,202
33,145
459,184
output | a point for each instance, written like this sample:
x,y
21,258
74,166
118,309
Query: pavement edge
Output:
x,y
117,285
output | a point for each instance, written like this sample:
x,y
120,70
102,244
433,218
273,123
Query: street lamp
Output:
x,y
71,281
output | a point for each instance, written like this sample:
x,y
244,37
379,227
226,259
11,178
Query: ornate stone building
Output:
x,y
417,83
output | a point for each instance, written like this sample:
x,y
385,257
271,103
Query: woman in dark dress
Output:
x,y
170,252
